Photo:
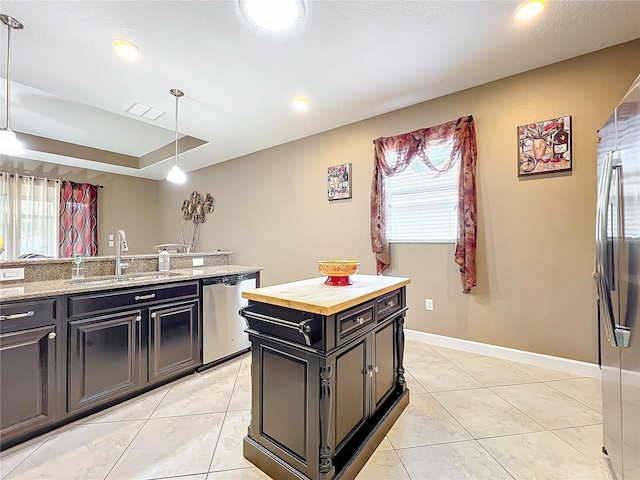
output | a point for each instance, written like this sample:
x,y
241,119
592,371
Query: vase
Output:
x,y
539,148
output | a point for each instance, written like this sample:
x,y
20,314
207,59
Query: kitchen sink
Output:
x,y
113,280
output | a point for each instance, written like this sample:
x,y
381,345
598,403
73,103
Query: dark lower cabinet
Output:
x,y
352,389
323,398
103,359
65,357
174,340
30,367
27,380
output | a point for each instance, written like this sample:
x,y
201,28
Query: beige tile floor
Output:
x,y
470,417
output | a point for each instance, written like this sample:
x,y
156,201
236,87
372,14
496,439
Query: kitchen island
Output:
x,y
327,374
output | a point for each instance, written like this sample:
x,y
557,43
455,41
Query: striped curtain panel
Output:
x,y
78,219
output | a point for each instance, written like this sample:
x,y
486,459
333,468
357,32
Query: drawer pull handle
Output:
x,y
30,313
305,327
52,335
138,318
145,297
154,315
389,303
360,320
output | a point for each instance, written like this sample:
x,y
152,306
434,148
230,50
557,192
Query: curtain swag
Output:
x,y
392,155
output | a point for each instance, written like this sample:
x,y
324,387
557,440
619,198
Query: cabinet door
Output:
x,y
351,389
27,380
174,340
104,358
384,364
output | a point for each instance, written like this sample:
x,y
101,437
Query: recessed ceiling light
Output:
x,y
274,17
530,9
301,103
125,49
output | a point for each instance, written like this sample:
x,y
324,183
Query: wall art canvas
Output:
x,y
545,147
339,182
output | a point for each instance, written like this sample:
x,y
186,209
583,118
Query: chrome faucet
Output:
x,y
121,246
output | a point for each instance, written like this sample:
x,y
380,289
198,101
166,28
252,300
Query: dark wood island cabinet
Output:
x,y
327,374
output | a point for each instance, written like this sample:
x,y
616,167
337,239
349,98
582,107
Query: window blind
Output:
x,y
423,206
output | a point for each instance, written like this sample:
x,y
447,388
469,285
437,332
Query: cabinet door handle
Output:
x,y
52,335
145,297
138,318
30,313
153,315
370,372
389,303
360,320
375,369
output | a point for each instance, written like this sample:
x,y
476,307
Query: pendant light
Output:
x,y
176,175
9,144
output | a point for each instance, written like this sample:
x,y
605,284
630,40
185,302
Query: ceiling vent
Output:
x,y
145,111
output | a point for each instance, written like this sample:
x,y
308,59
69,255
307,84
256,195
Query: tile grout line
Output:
x,y
570,396
136,435
235,382
53,434
576,449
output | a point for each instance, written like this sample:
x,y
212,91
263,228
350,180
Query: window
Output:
x,y
29,222
422,204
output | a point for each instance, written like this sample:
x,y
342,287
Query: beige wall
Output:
x,y
535,236
125,202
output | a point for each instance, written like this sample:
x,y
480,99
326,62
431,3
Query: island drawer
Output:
x,y
352,321
302,328
27,314
388,304
92,303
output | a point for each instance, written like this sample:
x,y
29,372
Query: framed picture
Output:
x,y
339,182
544,147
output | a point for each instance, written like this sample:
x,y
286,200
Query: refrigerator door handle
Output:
x,y
602,277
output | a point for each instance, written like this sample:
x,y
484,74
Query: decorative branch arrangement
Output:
x,y
195,208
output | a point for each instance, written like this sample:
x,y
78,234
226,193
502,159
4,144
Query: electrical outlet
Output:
x,y
111,243
428,304
111,237
11,274
198,262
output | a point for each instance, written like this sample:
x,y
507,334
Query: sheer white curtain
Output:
x,y
30,216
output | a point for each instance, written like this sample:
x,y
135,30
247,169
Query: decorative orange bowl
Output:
x,y
338,271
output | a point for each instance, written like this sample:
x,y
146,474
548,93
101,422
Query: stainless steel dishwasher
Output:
x,y
223,335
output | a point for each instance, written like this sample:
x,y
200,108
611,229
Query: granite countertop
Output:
x,y
25,290
315,297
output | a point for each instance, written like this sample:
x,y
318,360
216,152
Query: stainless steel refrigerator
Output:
x,y
618,279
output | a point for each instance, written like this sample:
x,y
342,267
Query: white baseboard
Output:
x,y
546,361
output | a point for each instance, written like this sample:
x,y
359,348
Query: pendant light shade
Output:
x,y
9,144
176,175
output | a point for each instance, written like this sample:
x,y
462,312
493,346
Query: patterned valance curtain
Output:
x,y
393,155
78,219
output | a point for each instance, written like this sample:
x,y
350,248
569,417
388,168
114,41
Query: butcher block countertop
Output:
x,y
315,297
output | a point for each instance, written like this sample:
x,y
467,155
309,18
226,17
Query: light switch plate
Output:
x,y
198,262
7,274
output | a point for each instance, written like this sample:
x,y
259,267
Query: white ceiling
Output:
x,y
352,59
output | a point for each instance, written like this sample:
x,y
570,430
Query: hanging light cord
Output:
x,y
8,72
176,93
11,24
176,130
